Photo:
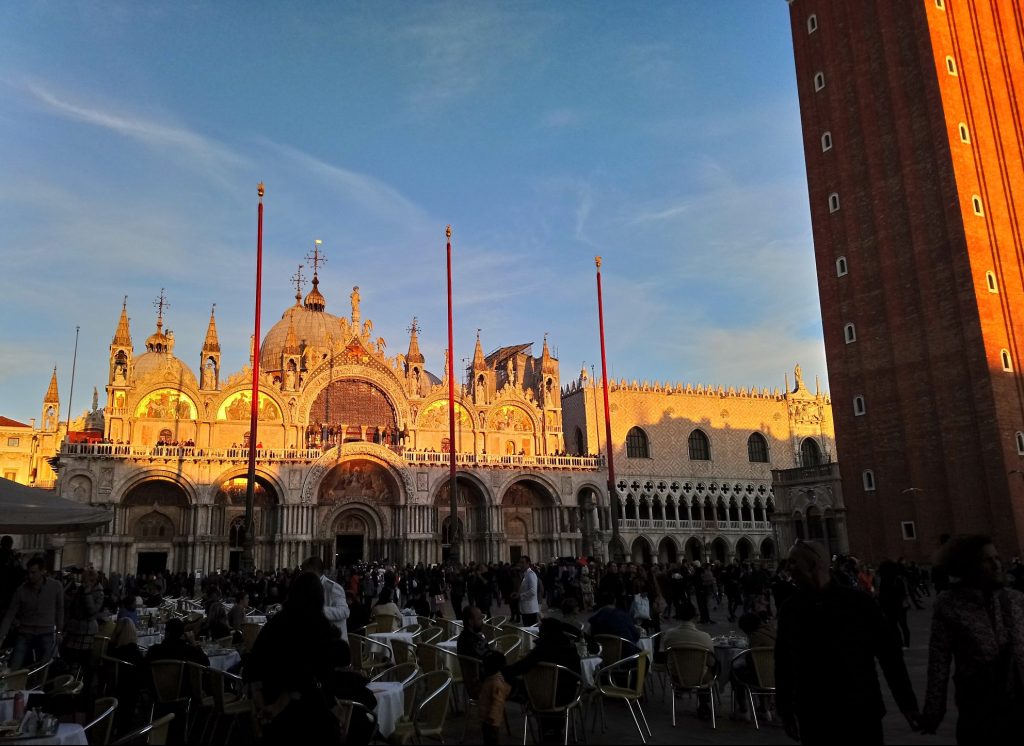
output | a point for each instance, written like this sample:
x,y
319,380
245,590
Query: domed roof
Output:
x,y
150,364
309,327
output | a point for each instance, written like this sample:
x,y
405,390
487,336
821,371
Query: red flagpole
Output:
x,y
613,496
249,540
453,532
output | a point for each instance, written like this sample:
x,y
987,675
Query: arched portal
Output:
x,y
473,524
667,551
641,551
694,550
160,516
227,521
720,550
531,502
768,549
744,549
354,500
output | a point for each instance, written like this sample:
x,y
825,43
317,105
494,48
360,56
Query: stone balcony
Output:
x,y
718,527
309,455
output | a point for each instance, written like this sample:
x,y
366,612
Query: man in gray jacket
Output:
x,y
335,604
38,608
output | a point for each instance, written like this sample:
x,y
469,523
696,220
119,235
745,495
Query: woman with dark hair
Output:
x,y
977,625
292,671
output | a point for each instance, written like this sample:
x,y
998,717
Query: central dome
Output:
x,y
312,328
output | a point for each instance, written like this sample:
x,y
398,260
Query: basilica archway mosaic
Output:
x,y
237,407
166,404
358,479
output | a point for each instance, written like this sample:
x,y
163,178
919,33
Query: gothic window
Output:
x,y
154,527
841,267
734,511
859,407
1004,358
826,142
709,510
812,23
236,533
1020,443
815,527
581,445
721,510
636,444
757,448
745,513
810,453
700,447
990,281
850,333
909,530
758,510
950,65
798,526
695,511
965,135
833,202
976,204
869,480
819,81
166,435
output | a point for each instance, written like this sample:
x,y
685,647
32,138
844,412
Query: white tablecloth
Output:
x,y
450,661
589,665
68,734
148,641
387,637
725,653
645,643
390,704
527,640
408,619
256,619
224,661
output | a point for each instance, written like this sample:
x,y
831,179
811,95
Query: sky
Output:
x,y
663,136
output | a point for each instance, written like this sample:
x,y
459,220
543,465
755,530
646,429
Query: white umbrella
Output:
x,y
30,510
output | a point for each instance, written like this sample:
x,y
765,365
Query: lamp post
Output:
x,y
248,539
453,532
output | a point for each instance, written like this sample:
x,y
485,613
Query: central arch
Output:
x,y
472,514
533,504
229,510
351,409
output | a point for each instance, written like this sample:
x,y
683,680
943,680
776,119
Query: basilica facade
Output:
x,y
353,452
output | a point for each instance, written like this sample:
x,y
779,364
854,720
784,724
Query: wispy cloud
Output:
x,y
203,149
559,118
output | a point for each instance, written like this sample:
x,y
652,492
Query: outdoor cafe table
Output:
x,y
390,704
225,660
68,734
387,637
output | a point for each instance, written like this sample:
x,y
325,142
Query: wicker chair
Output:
x,y
225,704
155,733
386,622
405,652
430,657
760,662
429,634
508,645
101,727
369,655
37,676
412,629
166,678
250,632
345,710
614,648
635,666
497,621
469,670
541,684
692,668
426,707
15,679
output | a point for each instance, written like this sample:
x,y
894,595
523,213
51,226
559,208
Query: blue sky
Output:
x,y
663,136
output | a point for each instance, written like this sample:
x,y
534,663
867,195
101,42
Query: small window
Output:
x,y
950,65
636,444
909,530
869,480
990,281
699,446
849,333
826,141
13,442
833,202
757,448
940,4
858,406
819,81
976,204
11,476
812,23
1004,357
841,268
965,135
1020,443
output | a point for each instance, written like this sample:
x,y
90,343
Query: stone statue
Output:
x,y
367,329
208,382
289,380
355,305
381,344
510,370
798,374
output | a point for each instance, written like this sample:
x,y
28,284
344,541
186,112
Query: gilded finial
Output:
x,y
597,261
260,189
448,232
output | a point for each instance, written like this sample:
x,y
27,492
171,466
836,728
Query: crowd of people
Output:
x,y
829,619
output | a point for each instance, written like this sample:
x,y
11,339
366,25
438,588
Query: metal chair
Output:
x,y
345,710
429,634
15,679
761,663
542,696
469,670
37,676
386,622
426,707
692,668
508,645
399,673
412,629
225,706
369,655
405,652
635,666
100,728
166,678
250,632
155,732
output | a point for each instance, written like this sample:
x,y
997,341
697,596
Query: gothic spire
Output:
x,y
414,355
51,393
315,300
212,344
479,362
548,364
123,337
291,342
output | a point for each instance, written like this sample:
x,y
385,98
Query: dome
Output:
x,y
150,364
310,328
